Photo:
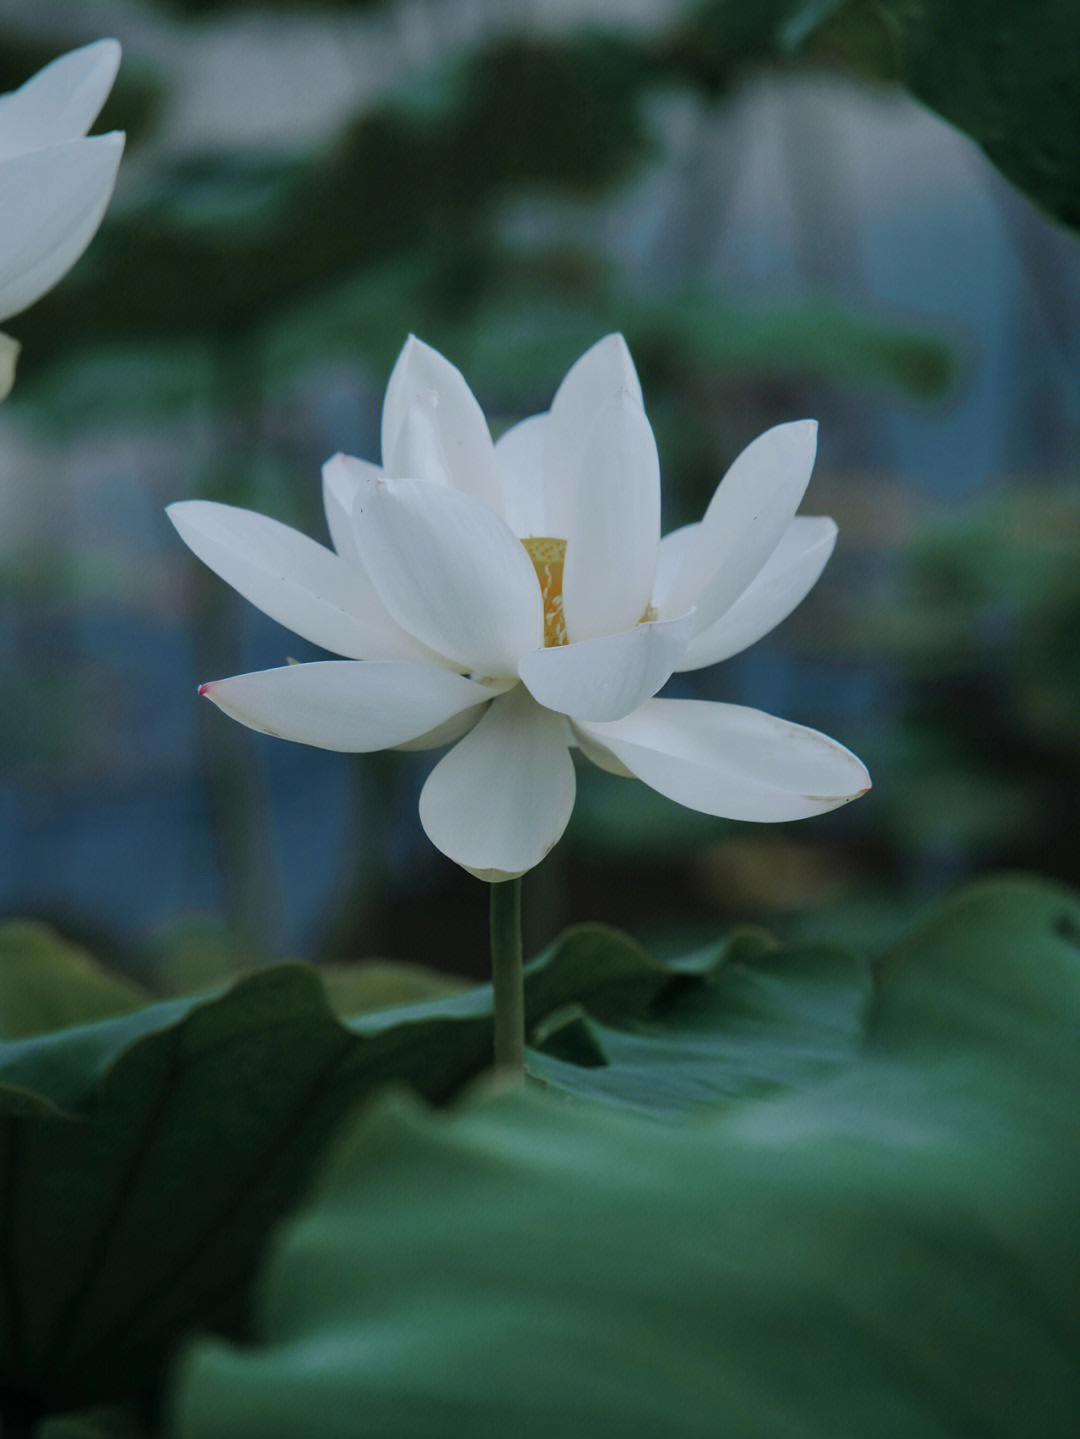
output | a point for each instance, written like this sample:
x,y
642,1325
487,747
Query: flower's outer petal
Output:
x,y
597,753
747,516
674,548
606,678
60,102
520,457
614,533
9,353
451,573
447,732
418,452
349,705
782,583
730,761
499,801
342,477
463,431
588,385
51,202
299,583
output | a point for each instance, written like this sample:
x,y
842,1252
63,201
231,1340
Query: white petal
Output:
x,y
418,451
731,761
463,431
670,558
60,102
499,801
451,573
782,583
342,477
587,386
614,533
447,732
295,581
597,753
606,678
9,353
752,507
520,458
52,202
350,705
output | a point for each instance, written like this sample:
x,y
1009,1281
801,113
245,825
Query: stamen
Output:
x,y
547,555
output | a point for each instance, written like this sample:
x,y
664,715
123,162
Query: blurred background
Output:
x,y
778,230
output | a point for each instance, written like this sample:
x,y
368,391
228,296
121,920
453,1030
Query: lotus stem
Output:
x,y
508,979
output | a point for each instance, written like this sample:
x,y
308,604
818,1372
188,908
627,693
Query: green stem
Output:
x,y
508,977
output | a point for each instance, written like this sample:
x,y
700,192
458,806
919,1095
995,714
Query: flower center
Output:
x,y
547,555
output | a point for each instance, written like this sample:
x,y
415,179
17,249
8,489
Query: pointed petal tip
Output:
x,y
807,430
838,800
339,460
413,344
204,690
801,434
108,51
614,339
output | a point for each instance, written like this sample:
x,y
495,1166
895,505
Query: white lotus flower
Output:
x,y
517,598
54,183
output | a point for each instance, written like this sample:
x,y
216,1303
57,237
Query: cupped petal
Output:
x,y
670,558
463,432
731,761
594,379
60,102
451,573
52,202
746,518
348,705
501,799
606,678
9,354
597,754
297,582
614,532
782,583
447,732
520,457
342,477
418,451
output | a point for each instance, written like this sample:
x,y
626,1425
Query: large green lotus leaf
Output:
x,y
145,1212
890,1250
767,1018
1006,74
117,1422
46,983
146,1157
383,984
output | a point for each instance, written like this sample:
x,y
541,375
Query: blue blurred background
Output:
x,y
305,185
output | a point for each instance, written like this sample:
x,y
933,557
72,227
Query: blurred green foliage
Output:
x,y
1007,75
871,1177
886,1250
980,623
